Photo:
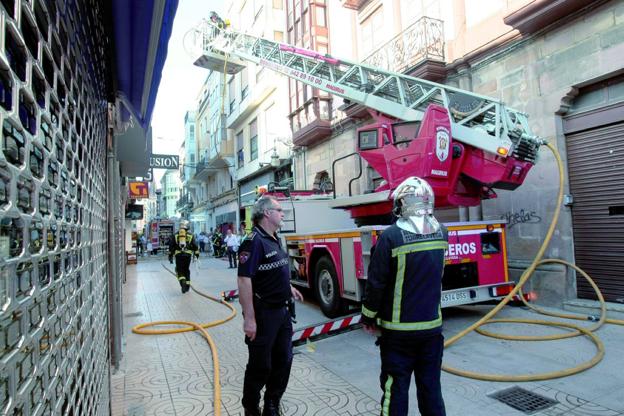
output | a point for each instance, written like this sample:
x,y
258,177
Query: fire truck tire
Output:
x,y
327,289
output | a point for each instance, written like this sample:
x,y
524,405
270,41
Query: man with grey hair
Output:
x,y
265,294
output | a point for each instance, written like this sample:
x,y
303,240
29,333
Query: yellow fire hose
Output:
x,y
578,330
194,326
487,319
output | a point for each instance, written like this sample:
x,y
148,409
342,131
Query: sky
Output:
x,y
180,82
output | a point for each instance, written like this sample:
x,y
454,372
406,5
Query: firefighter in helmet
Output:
x,y
182,246
402,300
218,21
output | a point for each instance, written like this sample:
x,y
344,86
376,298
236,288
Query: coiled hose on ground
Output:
x,y
487,319
577,330
194,326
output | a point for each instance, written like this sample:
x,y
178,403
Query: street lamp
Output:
x,y
275,160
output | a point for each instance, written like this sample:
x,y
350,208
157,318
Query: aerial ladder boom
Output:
x,y
481,127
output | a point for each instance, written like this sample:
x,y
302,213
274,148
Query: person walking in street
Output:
x,y
232,242
217,238
141,244
266,296
202,242
182,247
403,299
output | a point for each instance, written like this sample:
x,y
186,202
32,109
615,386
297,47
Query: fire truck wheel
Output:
x,y
326,287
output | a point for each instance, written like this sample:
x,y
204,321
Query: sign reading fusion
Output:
x,y
165,162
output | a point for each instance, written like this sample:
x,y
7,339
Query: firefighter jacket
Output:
x,y
404,285
182,243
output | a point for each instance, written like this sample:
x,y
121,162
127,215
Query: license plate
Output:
x,y
453,297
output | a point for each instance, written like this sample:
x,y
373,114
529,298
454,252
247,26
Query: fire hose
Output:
x,y
194,326
577,330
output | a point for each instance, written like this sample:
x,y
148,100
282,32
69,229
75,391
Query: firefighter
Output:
x,y
182,246
220,23
266,296
402,299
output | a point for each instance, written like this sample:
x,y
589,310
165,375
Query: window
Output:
x,y
192,158
244,83
278,4
253,141
192,131
372,32
278,36
231,94
240,154
320,16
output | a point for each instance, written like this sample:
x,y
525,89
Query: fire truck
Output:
x,y
160,231
464,144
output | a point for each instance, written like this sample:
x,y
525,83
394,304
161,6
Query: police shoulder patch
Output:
x,y
243,256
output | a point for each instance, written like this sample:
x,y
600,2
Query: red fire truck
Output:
x,y
464,144
330,257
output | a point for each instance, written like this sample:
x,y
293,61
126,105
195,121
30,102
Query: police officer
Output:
x,y
265,293
402,298
182,246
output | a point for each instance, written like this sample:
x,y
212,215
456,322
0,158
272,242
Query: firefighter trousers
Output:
x,y
183,270
270,356
402,357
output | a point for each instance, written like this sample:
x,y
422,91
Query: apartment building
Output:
x,y
188,159
257,106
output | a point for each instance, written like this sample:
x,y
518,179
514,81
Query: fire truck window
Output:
x,y
367,139
490,243
405,132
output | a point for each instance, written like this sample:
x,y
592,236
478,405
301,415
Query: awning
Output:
x,y
141,32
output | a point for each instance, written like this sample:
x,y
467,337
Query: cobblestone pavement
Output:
x,y
172,374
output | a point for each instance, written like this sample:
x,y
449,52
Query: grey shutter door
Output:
x,y
596,174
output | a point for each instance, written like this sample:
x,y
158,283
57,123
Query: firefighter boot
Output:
x,y
252,412
182,281
271,408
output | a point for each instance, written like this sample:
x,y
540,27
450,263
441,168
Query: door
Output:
x,y
596,173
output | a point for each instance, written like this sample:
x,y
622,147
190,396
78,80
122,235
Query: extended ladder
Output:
x,y
476,120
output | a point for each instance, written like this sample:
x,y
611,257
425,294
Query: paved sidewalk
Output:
x,y
172,374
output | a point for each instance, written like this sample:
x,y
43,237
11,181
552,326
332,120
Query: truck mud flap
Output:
x,y
326,329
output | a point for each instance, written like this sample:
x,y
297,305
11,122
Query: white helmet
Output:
x,y
413,204
184,224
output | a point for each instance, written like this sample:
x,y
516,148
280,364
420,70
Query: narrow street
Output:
x,y
172,374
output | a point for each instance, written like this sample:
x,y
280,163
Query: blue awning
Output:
x,y
141,34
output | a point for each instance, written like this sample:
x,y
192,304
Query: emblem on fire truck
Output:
x,y
442,143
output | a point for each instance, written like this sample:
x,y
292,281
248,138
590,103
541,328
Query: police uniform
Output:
x,y
262,259
402,297
182,246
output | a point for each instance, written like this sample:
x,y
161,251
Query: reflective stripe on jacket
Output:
x,y
404,285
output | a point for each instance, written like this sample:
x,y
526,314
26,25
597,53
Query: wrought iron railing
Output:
x,y
421,41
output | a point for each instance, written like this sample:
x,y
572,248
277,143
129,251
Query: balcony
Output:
x,y
538,14
353,4
214,159
184,204
417,51
311,123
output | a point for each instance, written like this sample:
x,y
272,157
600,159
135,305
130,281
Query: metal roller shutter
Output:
x,y
596,173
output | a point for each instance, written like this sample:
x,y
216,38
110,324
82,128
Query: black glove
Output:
x,y
368,321
170,261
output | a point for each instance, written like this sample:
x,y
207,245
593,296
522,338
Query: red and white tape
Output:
x,y
325,328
